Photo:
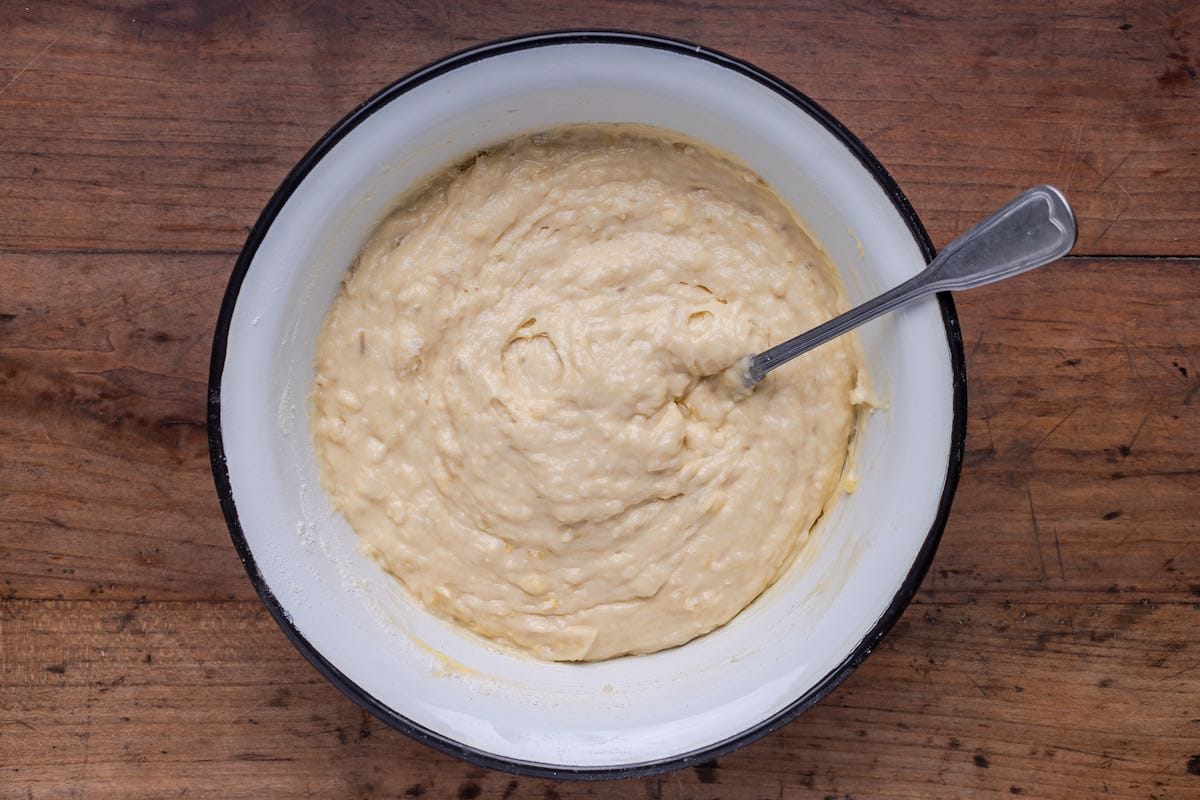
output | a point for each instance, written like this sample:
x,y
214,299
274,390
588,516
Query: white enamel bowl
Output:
x,y
628,716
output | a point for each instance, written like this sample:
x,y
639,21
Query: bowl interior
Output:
x,y
454,686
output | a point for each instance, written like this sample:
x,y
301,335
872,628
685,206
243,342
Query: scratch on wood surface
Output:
x,y
1191,392
1062,152
245,714
1092,753
1171,560
975,683
1054,17
32,61
153,483
299,124
978,341
1056,426
1173,369
1105,177
1074,157
1184,671
86,738
1062,573
22,723
1138,432
1129,357
444,8
678,786
876,134
1176,23
1037,534
987,424
1120,213
173,301
1122,203
1156,473
450,26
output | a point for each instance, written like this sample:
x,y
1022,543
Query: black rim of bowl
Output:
x,y
445,744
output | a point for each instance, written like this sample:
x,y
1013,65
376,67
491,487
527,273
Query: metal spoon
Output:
x,y
1032,230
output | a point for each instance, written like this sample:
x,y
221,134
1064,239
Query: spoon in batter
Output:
x,y
1034,229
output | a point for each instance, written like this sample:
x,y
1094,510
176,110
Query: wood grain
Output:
x,y
210,700
1082,471
166,125
1051,651
1082,456
103,376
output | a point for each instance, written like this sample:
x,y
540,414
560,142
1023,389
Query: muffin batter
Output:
x,y
519,405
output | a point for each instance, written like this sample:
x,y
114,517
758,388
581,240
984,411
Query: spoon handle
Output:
x,y
1032,230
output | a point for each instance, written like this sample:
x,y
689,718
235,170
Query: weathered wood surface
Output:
x,y
167,124
1052,651
1084,379
209,700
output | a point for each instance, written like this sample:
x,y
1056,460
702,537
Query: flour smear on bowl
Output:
x,y
518,402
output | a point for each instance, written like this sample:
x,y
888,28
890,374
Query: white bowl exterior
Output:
x,y
629,710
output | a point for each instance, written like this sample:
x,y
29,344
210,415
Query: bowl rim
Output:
x,y
444,743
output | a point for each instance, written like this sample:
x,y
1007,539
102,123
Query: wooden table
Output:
x,y
1053,649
